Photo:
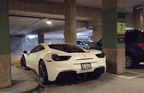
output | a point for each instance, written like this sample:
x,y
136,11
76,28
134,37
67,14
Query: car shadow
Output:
x,y
74,81
69,82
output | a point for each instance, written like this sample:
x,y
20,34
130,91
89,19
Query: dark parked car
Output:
x,y
134,41
81,44
134,50
97,45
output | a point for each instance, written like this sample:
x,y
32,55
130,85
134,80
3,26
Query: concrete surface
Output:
x,y
23,81
130,82
27,82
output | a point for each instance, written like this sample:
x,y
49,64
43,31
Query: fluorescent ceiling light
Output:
x,y
31,36
128,28
48,22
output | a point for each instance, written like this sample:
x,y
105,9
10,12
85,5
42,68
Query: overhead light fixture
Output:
x,y
31,36
48,22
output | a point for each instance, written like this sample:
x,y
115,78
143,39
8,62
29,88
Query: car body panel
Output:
x,y
133,38
75,62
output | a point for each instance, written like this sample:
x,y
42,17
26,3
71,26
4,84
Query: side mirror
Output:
x,y
25,52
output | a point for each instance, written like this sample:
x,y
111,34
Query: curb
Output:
x,y
15,62
22,81
24,87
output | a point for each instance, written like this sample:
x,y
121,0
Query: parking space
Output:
x,y
130,82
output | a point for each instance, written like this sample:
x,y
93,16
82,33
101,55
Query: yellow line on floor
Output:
x,y
15,62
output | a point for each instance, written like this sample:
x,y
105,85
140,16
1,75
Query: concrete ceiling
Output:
x,y
24,25
129,4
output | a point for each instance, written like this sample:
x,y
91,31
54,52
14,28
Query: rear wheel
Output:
x,y
96,75
130,61
23,63
43,76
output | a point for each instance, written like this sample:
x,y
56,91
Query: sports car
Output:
x,y
60,61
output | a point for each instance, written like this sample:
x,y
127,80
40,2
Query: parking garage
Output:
x,y
70,18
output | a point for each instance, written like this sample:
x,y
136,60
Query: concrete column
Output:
x,y
138,17
5,67
113,23
97,28
70,21
40,37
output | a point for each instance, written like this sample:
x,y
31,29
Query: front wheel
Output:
x,y
23,63
43,76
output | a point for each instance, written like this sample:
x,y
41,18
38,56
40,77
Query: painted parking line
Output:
x,y
134,72
129,75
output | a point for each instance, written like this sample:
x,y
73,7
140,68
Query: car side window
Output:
x,y
37,49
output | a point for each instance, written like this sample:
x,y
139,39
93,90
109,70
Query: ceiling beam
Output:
x,y
47,7
58,28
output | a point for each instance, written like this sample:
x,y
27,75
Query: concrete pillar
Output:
x,y
113,24
97,30
5,67
70,21
40,37
138,17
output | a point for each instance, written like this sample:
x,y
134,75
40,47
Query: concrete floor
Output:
x,y
130,82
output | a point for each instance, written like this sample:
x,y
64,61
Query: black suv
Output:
x,y
134,41
134,50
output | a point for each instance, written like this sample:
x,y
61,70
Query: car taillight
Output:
x,y
141,45
56,57
101,55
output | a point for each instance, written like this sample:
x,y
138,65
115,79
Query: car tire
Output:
x,y
130,61
43,75
23,63
96,75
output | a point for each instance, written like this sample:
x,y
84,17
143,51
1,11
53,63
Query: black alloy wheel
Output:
x,y
23,63
43,76
130,61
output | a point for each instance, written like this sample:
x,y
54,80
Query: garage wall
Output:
x,y
29,45
54,40
16,44
19,44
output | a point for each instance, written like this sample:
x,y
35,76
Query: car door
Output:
x,y
33,56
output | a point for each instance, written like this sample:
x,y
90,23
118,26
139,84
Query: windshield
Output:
x,y
66,48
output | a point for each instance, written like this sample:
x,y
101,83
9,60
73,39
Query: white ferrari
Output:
x,y
60,61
